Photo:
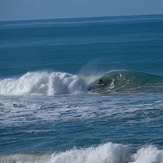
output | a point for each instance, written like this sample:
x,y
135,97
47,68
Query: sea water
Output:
x,y
52,107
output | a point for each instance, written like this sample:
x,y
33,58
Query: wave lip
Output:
x,y
42,83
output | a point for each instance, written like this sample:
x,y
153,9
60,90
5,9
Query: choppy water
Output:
x,y
52,109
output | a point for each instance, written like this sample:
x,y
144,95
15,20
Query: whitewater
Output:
x,y
109,152
86,90
42,83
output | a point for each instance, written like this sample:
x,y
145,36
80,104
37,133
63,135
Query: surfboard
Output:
x,y
96,86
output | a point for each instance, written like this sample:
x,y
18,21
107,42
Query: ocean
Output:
x,y
53,108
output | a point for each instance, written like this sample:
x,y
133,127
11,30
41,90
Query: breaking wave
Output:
x,y
42,83
54,83
106,153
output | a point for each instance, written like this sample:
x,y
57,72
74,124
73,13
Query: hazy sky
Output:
x,y
51,9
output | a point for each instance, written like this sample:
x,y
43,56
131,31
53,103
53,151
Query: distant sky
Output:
x,y
52,9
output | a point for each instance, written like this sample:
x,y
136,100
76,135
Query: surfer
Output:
x,y
100,81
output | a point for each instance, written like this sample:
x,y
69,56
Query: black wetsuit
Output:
x,y
100,81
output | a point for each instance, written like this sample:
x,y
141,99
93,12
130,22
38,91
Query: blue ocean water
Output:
x,y
52,107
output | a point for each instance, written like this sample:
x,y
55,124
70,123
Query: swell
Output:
x,y
127,81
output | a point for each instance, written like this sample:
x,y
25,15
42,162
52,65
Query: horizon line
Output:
x,y
84,17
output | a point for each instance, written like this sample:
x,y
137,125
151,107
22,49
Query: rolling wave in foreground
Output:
x,y
54,83
109,152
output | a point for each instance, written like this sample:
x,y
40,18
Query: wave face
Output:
x,y
127,82
42,83
109,152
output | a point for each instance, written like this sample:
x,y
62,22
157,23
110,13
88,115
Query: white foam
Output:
x,y
148,154
112,153
42,83
106,153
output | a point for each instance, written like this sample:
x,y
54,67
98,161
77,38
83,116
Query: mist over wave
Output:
x,y
42,83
